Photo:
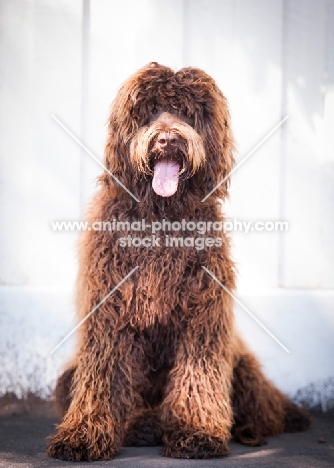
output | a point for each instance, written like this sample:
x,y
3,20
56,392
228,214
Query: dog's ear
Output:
x,y
209,110
219,145
135,102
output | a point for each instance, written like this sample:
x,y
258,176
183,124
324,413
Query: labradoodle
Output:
x,y
159,361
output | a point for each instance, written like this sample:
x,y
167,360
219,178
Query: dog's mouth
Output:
x,y
166,173
170,155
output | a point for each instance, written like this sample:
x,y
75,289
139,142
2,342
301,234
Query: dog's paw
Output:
x,y
201,446
68,451
296,418
142,439
249,435
145,431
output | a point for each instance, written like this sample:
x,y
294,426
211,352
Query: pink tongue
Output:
x,y
166,177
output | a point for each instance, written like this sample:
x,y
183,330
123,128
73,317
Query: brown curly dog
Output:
x,y
159,361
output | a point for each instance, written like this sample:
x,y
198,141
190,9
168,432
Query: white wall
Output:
x,y
270,59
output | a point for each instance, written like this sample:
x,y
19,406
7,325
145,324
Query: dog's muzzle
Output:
x,y
167,152
166,169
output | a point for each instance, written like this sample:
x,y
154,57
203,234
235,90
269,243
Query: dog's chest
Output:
x,y
169,267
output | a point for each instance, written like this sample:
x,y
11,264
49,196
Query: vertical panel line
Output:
x,y
84,92
185,55
283,155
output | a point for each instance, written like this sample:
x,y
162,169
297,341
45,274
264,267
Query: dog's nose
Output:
x,y
167,139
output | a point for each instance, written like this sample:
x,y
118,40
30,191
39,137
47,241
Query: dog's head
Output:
x,y
169,135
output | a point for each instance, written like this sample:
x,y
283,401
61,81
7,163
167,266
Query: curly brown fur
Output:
x,y
257,405
187,443
63,390
259,408
165,338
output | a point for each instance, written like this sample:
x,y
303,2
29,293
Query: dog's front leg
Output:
x,y
102,395
196,411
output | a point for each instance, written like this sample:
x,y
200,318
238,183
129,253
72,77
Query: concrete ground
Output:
x,y
24,427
